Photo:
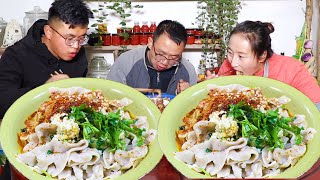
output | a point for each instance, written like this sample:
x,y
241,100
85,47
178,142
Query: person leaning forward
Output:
x,y
52,50
160,65
250,53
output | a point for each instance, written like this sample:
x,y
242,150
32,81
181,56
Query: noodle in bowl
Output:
x,y
61,134
211,145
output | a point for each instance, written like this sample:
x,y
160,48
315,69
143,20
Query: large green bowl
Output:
x,y
173,114
13,120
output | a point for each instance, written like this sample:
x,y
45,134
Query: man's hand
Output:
x,y
57,77
182,85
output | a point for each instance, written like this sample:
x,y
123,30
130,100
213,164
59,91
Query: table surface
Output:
x,y
165,171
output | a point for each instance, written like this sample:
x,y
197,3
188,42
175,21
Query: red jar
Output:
x,y
120,30
198,39
153,27
136,27
135,38
115,40
144,38
190,38
128,30
125,38
124,41
107,40
198,31
190,31
145,27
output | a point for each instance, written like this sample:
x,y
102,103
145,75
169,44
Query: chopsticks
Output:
x,y
56,73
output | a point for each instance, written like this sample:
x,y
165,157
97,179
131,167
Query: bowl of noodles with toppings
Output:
x,y
240,127
82,128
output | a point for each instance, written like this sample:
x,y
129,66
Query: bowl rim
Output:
x,y
43,90
202,88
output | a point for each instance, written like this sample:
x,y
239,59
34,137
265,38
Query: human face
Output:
x,y
64,42
241,56
164,53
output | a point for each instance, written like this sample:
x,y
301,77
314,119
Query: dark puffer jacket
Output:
x,y
28,64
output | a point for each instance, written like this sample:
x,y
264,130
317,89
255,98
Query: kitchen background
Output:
x,y
287,16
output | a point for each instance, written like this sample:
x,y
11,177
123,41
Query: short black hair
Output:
x,y
175,31
72,12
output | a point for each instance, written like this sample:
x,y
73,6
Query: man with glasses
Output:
x,y
158,66
52,50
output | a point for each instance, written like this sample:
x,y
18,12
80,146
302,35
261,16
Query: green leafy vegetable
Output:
x,y
104,131
262,129
208,150
49,152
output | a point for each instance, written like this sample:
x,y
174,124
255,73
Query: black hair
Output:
x,y
175,31
258,34
72,12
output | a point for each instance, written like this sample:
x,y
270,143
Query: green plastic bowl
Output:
x,y
189,99
13,120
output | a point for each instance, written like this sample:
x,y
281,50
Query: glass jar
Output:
x,y
136,27
153,27
190,31
33,16
145,27
124,41
198,31
115,40
107,39
135,38
198,39
98,67
144,38
120,30
3,25
190,38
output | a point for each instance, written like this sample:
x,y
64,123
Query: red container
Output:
x,y
198,39
190,38
107,40
144,38
191,31
124,41
145,27
198,31
136,27
115,40
135,38
120,30
153,27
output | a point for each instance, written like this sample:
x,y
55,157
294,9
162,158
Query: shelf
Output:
x,y
189,47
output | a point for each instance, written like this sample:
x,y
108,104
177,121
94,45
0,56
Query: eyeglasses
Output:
x,y
71,40
160,58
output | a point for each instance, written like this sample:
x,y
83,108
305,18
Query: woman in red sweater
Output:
x,y
250,53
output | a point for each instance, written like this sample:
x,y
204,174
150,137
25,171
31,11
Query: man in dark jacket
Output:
x,y
52,50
